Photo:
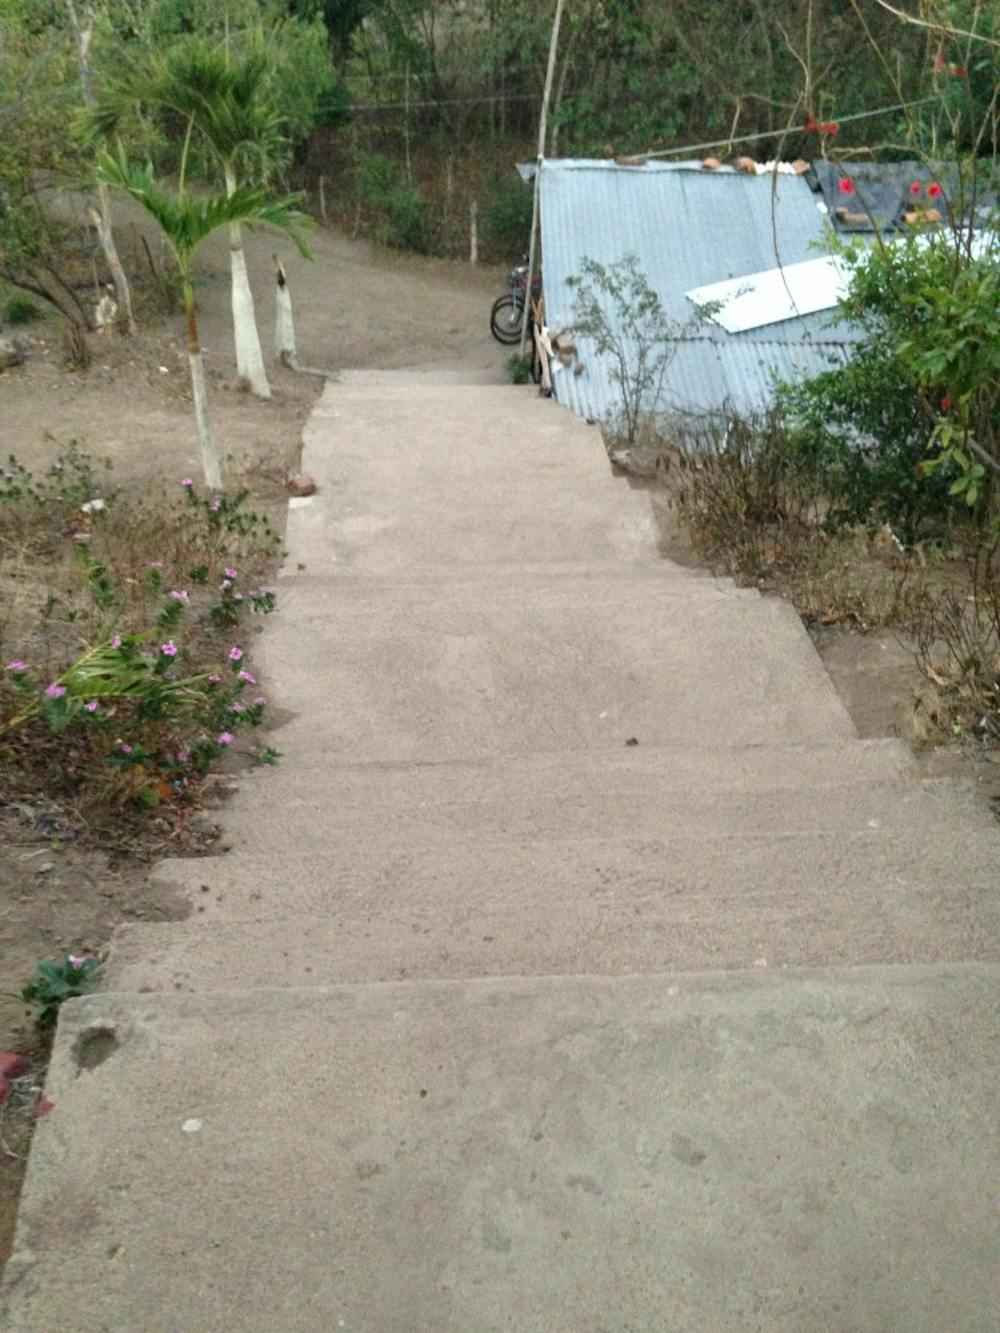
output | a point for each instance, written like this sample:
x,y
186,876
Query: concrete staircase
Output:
x,y
580,969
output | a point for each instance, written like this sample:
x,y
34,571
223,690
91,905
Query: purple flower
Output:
x,y
237,597
75,960
215,678
229,573
226,583
186,481
55,691
156,564
248,677
224,737
235,654
236,706
116,642
168,649
182,756
91,706
260,701
180,595
215,506
273,591
125,749
17,666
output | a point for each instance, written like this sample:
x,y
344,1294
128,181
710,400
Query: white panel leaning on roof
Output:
x,y
783,293
776,294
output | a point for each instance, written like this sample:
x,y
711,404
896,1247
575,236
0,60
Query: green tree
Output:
x,y
38,95
186,221
223,97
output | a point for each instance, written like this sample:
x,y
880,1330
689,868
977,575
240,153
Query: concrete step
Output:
x,y
426,805
813,1150
509,580
429,376
418,476
574,775
366,912
468,674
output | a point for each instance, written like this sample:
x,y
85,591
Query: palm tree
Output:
x,y
224,99
186,220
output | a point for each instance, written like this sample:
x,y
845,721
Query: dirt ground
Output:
x,y
355,306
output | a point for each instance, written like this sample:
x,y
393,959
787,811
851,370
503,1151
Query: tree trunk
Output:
x,y
209,456
123,292
284,324
249,358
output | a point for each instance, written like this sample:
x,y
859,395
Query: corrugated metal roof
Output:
x,y
688,227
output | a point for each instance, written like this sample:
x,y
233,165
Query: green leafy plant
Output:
x,y
57,980
623,317
20,310
404,220
517,370
908,427
506,216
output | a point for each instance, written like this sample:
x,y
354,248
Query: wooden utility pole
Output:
x,y
542,125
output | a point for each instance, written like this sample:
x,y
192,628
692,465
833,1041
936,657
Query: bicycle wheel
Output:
x,y
505,320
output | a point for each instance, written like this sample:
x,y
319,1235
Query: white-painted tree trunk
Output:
x,y
206,438
83,34
249,358
284,322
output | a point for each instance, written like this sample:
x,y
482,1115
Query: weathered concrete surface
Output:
x,y
281,826
363,913
465,676
630,789
421,478
811,1151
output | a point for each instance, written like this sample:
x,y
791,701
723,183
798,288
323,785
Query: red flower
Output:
x,y
933,190
945,403
832,127
810,125
915,187
958,71
846,186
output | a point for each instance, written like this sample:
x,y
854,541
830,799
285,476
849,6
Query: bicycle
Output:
x,y
507,313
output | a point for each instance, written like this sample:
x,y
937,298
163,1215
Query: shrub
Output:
x,y
744,495
907,431
160,690
20,310
404,220
622,315
517,370
506,216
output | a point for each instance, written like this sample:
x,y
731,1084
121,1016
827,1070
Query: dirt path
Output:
x,y
355,305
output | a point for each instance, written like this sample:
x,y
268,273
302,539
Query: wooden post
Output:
x,y
284,324
474,232
542,120
406,127
322,197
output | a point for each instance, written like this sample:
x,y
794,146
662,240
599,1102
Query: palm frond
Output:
x,y
186,220
223,96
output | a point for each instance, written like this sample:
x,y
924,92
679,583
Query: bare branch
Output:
x,y
933,25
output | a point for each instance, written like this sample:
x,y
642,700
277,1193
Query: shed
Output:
x,y
689,228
